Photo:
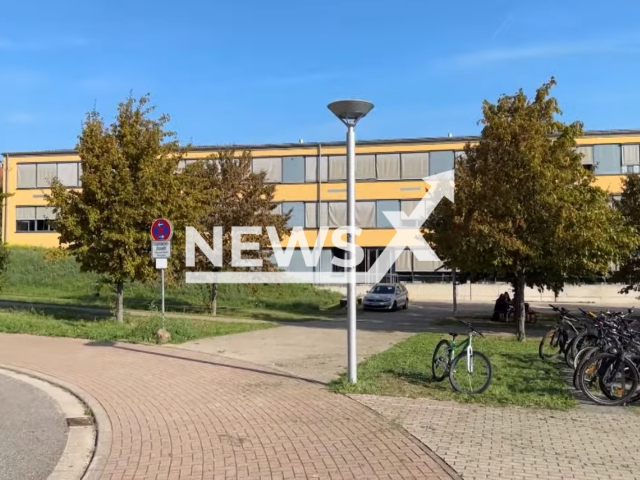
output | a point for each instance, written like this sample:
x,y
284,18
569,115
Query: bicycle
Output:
x,y
555,341
469,372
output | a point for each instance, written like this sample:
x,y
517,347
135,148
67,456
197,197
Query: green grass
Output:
x,y
520,377
32,277
134,329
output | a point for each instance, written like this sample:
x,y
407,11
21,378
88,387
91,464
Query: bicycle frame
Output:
x,y
468,345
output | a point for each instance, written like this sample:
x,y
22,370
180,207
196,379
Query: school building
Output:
x,y
310,180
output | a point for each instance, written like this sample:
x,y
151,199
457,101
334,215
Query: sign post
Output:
x,y
161,233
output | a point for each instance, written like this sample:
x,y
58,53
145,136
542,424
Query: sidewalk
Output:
x,y
510,443
176,414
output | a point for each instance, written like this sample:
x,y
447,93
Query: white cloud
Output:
x,y
568,49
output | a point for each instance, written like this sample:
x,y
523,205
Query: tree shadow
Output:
x,y
413,377
134,348
62,312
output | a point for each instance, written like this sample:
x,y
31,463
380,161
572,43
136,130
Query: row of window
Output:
x,y
35,219
369,214
611,159
39,175
606,159
406,263
387,166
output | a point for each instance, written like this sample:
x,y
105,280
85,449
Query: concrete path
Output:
x,y
487,443
33,431
176,414
311,350
317,350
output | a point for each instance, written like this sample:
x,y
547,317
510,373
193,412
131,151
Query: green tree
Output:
x,y
231,194
128,179
525,208
629,207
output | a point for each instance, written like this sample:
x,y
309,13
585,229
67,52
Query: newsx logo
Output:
x,y
407,235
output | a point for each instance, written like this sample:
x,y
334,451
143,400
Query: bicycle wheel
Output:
x,y
583,356
608,379
440,360
549,345
470,377
577,343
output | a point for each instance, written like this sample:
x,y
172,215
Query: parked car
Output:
x,y
386,296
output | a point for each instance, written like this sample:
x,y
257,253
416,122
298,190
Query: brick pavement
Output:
x,y
480,442
178,414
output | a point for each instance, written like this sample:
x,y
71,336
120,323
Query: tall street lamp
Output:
x,y
350,112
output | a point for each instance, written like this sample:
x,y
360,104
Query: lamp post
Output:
x,y
350,112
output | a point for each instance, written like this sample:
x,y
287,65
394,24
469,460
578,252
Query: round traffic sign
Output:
x,y
161,229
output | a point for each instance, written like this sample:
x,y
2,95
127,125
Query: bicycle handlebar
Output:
x,y
471,327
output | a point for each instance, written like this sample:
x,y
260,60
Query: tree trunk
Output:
x,y
213,299
455,292
120,301
518,301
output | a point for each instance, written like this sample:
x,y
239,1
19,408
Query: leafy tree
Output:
x,y
629,208
525,207
230,194
128,179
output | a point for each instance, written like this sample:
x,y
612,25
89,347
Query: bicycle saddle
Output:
x,y
454,334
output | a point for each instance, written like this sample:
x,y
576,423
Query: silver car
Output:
x,y
386,296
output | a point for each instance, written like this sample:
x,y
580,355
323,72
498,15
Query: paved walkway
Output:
x,y
177,414
33,431
479,442
310,350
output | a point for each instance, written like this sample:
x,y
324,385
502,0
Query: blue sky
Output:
x,y
256,72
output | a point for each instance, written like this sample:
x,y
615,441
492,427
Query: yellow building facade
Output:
x,y
310,180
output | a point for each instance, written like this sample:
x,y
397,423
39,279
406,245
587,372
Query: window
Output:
x,y
293,169
26,175
39,175
607,158
440,162
297,213
271,166
338,168
386,289
45,172
408,207
388,166
337,214
385,206
403,263
366,214
35,219
68,174
587,154
365,167
460,154
311,169
630,159
415,165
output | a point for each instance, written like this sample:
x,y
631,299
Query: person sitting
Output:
x,y
500,309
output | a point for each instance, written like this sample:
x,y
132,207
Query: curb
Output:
x,y
97,424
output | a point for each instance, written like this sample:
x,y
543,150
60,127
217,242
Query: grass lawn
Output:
x,y
520,377
134,329
31,277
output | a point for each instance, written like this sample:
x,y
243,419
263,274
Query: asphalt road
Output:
x,y
33,431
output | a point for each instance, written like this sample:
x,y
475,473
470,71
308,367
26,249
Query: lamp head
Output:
x,y
350,111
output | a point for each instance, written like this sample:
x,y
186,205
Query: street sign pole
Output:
x,y
162,280
161,233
